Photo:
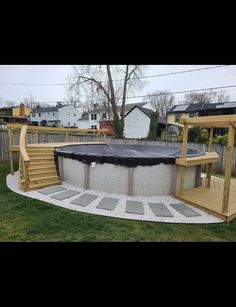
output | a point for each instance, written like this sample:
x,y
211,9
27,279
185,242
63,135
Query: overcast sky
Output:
x,y
58,73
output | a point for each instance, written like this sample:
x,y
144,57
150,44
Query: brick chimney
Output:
x,y
22,110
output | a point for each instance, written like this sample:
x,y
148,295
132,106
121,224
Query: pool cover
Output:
x,y
126,155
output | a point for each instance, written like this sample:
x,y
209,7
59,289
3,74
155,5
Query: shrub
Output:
x,y
152,135
220,139
43,123
119,129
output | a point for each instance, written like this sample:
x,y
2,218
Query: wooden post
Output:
x,y
130,180
10,144
181,179
210,140
209,171
66,137
185,141
209,165
26,138
184,154
86,176
27,176
228,169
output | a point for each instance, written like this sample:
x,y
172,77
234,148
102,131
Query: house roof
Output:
x,y
148,112
201,106
128,107
48,109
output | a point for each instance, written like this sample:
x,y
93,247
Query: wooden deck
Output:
x,y
53,145
210,199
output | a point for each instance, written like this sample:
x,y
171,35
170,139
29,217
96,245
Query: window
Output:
x,y
191,114
74,124
53,114
48,113
94,116
33,115
94,127
68,114
74,114
68,123
177,117
104,115
39,114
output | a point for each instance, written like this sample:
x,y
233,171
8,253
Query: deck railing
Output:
x,y
36,130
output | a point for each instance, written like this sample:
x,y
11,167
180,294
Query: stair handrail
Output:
x,y
22,145
24,157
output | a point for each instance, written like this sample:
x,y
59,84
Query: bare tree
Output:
x,y
109,82
10,104
162,101
30,102
206,97
222,97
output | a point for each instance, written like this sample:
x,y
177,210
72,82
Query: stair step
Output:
x,y
36,175
40,149
46,163
41,154
42,158
34,186
35,168
42,179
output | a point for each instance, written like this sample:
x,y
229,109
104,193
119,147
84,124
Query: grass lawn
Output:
x,y
26,219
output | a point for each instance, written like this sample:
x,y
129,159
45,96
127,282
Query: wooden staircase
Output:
x,y
41,172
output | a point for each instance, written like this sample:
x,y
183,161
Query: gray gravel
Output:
x,y
119,210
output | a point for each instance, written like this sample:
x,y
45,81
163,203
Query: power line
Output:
x,y
135,78
178,92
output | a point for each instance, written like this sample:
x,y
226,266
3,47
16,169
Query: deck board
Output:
x,y
210,199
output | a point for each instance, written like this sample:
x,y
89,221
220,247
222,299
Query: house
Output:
x,y
99,117
17,114
56,116
21,110
137,123
194,110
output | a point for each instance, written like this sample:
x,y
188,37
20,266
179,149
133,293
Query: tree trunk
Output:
x,y
124,93
117,123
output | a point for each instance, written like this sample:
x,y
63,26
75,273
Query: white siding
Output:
x,y
83,124
96,121
136,124
68,116
44,116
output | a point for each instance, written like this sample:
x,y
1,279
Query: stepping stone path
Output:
x,y
84,199
160,209
65,194
108,203
135,207
52,190
184,210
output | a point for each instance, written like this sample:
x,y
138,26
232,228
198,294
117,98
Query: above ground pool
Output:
x,y
125,169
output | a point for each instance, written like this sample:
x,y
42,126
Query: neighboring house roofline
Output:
x,y
51,109
194,107
147,112
128,107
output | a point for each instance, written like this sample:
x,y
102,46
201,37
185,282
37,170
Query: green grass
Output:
x,y
26,219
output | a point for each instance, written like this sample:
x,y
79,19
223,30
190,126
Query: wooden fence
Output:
x,y
218,167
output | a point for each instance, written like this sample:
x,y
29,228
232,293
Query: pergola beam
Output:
x,y
221,121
